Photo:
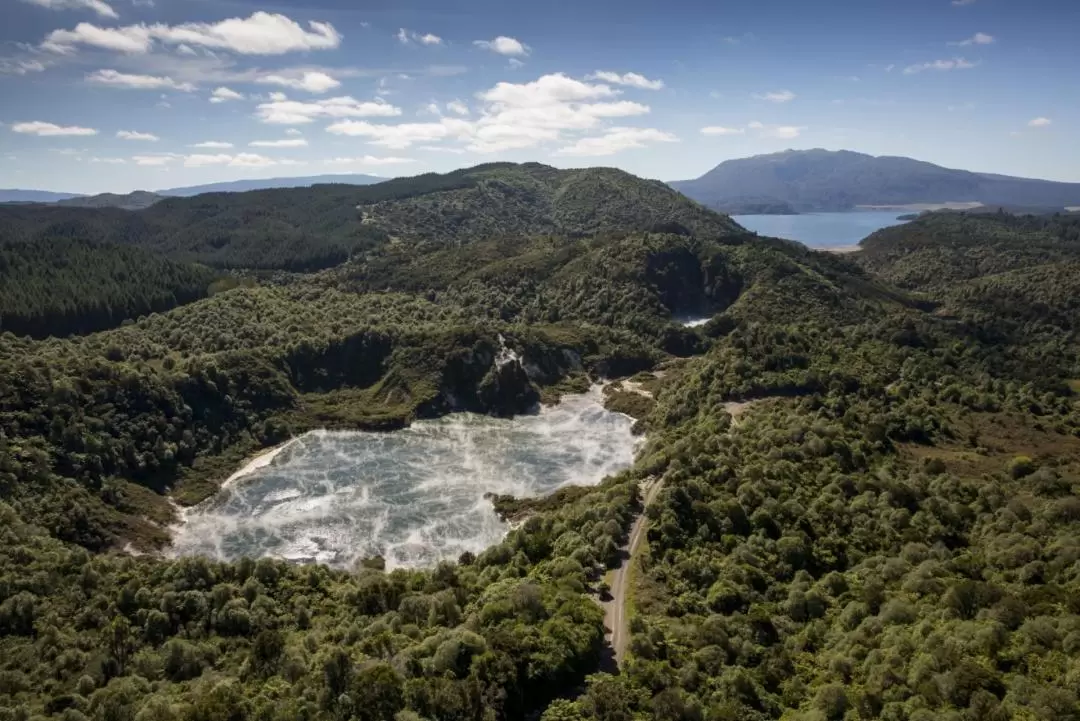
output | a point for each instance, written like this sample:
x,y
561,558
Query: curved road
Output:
x,y
615,618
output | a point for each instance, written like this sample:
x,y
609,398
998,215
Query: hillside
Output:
x,y
302,229
823,180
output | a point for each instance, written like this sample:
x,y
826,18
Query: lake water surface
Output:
x,y
822,230
414,496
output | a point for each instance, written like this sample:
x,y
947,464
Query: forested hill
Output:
x,y
823,180
305,229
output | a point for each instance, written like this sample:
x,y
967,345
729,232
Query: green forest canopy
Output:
x,y
889,531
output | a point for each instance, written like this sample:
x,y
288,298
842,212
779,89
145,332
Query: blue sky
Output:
x,y
115,95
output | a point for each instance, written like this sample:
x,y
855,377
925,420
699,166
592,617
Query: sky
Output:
x,y
118,95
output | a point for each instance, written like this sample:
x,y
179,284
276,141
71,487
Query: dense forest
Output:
x,y
59,286
886,527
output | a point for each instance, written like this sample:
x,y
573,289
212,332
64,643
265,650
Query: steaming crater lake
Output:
x,y
414,496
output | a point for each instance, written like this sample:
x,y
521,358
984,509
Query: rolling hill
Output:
x,y
304,229
824,180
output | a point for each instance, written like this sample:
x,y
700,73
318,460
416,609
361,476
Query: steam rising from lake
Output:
x,y
414,496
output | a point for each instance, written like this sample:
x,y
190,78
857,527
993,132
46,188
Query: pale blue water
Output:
x,y
414,496
821,230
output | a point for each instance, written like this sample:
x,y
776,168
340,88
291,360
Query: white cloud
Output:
x,y
261,33
631,79
457,107
1039,122
136,135
224,95
514,63
155,160
616,140
12,66
369,161
976,39
503,46
780,96
38,127
284,143
953,64
115,79
431,108
109,161
282,111
720,130
959,3
240,160
514,115
293,131
101,8
212,144
782,132
402,135
408,36
310,81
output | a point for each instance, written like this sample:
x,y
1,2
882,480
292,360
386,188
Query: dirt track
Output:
x,y
615,618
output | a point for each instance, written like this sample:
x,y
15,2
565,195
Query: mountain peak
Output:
x,y
836,180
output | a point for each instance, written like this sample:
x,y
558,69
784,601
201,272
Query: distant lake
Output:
x,y
821,230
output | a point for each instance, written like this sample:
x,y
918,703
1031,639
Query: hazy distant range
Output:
x,y
142,198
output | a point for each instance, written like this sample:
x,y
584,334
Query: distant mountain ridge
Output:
x,y
143,198
826,180
240,186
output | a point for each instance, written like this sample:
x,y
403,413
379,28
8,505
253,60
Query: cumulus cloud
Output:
x,y
116,79
960,3
779,96
616,140
283,143
262,33
633,80
282,111
224,95
1039,122
513,115
951,64
38,127
310,81
212,144
976,39
408,36
136,135
240,160
293,131
721,130
503,46
457,107
402,135
109,161
368,161
101,8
